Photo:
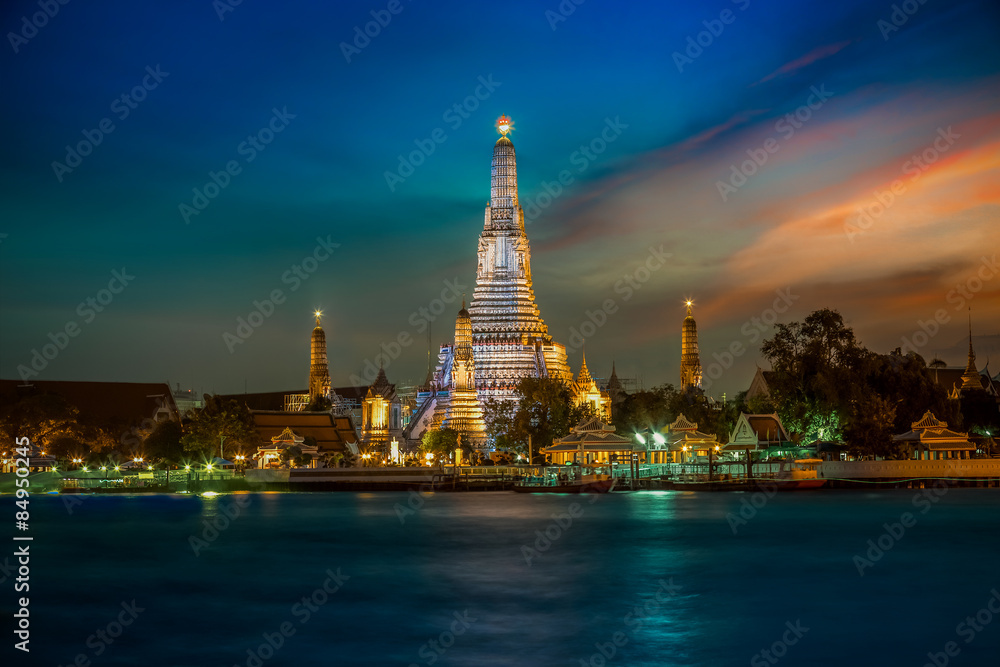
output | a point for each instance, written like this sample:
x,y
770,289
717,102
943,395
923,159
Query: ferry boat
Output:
x,y
569,479
800,474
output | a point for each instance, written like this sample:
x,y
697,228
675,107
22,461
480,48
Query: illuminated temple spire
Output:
x,y
971,378
690,358
463,412
587,393
319,370
509,339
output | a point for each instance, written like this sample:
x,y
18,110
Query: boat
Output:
x,y
572,479
800,474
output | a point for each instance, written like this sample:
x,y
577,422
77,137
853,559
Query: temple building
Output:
x,y
756,433
381,418
686,443
690,358
591,441
930,439
616,391
509,339
462,412
586,393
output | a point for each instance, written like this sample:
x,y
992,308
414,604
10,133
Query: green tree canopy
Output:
x,y
219,418
441,443
817,366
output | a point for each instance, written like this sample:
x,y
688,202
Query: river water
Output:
x,y
644,578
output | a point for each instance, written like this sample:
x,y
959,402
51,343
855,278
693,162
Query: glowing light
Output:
x,y
504,125
187,467
209,494
658,437
640,438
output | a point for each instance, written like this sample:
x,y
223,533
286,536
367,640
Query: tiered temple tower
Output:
x,y
463,412
509,339
971,378
690,358
319,370
587,393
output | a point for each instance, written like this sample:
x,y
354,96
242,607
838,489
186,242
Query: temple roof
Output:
x,y
287,435
585,380
764,429
928,421
593,433
381,386
683,424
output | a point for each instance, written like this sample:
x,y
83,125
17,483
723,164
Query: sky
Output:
x,y
169,168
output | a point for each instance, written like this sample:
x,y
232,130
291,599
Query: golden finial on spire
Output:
x,y
504,125
319,315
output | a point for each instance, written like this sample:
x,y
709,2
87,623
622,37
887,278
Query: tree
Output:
x,y
543,408
40,416
817,367
545,411
499,417
645,409
870,428
291,455
219,418
319,403
164,443
440,442
980,413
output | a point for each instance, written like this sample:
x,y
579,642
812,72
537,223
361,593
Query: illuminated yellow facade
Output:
x,y
381,415
587,393
463,412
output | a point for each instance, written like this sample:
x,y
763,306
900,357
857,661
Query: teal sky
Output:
x,y
685,118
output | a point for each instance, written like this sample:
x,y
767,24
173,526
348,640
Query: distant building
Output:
x,y
930,439
110,404
690,356
319,369
187,400
759,386
615,391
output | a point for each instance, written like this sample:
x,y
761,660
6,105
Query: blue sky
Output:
x,y
323,176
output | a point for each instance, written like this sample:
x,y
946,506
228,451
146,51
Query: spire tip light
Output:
x,y
504,125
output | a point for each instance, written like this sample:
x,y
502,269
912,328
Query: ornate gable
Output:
x,y
288,436
928,421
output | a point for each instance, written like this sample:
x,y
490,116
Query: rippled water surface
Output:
x,y
664,570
